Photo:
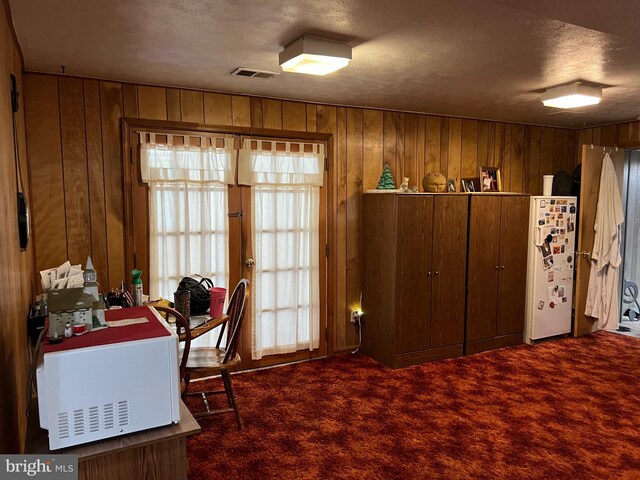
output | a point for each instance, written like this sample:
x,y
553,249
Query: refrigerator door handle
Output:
x,y
538,237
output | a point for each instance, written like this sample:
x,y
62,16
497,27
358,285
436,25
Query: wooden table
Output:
x,y
157,454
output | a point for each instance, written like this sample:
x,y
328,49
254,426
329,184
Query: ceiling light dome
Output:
x,y
571,96
315,56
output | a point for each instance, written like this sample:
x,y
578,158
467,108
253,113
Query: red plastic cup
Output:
x,y
216,305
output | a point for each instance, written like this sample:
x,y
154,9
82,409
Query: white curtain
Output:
x,y
285,229
188,222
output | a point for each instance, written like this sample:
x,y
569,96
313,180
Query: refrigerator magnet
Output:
x,y
550,277
572,209
540,304
543,203
552,305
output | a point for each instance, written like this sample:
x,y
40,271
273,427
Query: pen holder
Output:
x,y
182,302
216,305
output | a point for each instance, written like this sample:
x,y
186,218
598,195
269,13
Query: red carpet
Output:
x,y
568,409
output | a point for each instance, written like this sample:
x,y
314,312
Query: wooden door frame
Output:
x,y
128,125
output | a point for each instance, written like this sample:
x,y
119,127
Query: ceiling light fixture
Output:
x,y
571,96
314,56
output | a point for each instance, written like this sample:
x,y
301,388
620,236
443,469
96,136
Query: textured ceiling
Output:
x,y
473,58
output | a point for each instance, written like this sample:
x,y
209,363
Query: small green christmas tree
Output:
x,y
386,179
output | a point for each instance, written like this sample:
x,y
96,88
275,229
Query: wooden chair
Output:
x,y
182,326
210,361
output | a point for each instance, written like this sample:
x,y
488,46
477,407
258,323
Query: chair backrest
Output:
x,y
181,326
235,311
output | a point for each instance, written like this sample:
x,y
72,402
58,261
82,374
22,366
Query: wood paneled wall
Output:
x,y
74,147
627,133
16,267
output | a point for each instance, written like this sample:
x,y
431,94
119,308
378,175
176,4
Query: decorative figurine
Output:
x,y
386,179
404,186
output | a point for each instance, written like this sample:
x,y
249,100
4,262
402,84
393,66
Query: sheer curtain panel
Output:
x,y
285,179
188,223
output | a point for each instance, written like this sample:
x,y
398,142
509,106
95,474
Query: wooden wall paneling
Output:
x,y
444,146
534,161
546,155
241,111
340,228
526,158
74,162
16,266
152,102
327,123
46,171
174,113
192,106
111,112
585,137
256,112
95,171
634,132
217,109
373,155
294,116
498,144
483,146
597,136
505,162
130,99
609,135
491,145
469,153
311,117
517,157
398,172
623,133
432,148
571,157
455,151
421,150
272,113
559,149
410,154
354,167
390,154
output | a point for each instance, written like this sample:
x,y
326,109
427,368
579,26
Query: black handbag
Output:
x,y
200,296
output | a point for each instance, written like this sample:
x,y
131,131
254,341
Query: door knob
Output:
x,y
249,262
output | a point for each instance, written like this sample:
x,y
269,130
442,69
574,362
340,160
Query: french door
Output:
x,y
248,256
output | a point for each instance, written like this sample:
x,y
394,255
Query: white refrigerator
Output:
x,y
550,267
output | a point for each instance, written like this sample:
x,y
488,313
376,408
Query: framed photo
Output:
x,y
490,179
468,184
451,184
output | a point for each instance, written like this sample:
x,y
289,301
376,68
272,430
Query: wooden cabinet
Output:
x,y
496,278
414,252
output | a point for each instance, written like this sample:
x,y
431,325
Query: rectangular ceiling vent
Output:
x,y
248,72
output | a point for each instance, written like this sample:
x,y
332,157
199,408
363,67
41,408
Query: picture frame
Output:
x,y
451,185
468,185
490,180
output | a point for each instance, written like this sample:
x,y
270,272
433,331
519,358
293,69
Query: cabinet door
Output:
x,y
514,230
484,242
413,280
449,269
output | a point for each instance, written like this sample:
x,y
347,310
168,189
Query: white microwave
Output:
x,y
91,389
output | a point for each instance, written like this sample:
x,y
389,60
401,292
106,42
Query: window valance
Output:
x,y
272,162
212,161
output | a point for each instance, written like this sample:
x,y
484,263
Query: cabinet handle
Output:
x,y
502,267
428,274
437,272
496,268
